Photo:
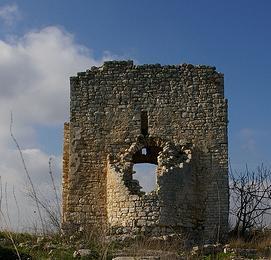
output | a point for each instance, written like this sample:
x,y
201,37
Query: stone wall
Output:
x,y
179,115
66,169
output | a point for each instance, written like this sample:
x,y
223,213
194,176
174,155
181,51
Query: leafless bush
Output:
x,y
17,205
49,213
250,198
51,209
33,190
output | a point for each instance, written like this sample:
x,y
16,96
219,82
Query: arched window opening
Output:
x,y
145,174
147,154
140,173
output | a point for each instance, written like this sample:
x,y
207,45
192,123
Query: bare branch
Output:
x,y
54,187
33,190
251,198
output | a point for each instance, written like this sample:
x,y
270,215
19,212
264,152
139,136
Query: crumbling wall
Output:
x,y
162,108
131,211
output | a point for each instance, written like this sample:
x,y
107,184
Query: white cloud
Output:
x,y
34,74
9,14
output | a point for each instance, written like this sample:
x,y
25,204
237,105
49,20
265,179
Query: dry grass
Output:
x,y
258,240
169,248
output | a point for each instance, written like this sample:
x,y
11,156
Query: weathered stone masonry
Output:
x,y
171,116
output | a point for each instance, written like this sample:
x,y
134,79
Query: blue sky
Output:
x,y
234,36
42,43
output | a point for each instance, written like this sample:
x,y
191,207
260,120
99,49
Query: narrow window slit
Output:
x,y
144,123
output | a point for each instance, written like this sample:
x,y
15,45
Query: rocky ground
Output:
x,y
26,246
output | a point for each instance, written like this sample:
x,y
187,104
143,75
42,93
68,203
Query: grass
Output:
x,y
31,246
148,247
258,241
219,256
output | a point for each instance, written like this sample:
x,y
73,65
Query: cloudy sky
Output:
x,y
43,43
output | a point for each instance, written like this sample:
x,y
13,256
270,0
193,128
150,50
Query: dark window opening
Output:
x,y
144,123
147,154
144,173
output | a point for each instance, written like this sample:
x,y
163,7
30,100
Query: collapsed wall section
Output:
x,y
131,211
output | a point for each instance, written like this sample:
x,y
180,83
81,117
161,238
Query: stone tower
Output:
x,y
173,116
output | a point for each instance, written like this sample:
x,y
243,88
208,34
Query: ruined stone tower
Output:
x,y
172,116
